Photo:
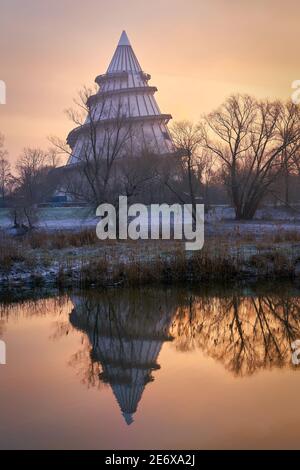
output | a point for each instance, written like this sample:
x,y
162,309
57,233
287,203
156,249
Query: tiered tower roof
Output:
x,y
125,84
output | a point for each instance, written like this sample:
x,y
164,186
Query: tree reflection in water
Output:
x,y
124,330
244,333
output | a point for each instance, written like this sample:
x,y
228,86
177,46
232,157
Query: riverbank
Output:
x,y
79,259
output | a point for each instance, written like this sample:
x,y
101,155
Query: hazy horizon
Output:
x,y
196,53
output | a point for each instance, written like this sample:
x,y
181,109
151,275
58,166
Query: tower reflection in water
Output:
x,y
126,330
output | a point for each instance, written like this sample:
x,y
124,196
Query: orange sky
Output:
x,y
198,52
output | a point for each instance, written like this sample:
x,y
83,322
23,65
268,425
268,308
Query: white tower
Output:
x,y
124,94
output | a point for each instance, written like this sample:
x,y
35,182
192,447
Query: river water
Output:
x,y
151,368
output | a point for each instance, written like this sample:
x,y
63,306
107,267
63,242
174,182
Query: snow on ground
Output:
x,y
220,226
219,220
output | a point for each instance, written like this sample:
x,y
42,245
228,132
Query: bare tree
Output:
x,y
296,162
249,137
190,165
53,157
105,136
5,169
33,184
290,154
138,174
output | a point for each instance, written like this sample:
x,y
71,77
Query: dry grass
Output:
x,y
208,264
81,259
60,239
281,236
11,252
275,263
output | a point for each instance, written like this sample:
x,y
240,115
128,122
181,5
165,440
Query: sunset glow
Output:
x,y
198,53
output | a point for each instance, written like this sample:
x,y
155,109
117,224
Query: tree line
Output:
x,y
244,153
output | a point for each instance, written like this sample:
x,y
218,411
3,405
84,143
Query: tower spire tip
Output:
x,y
124,41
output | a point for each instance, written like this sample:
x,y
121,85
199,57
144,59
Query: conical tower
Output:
x,y
124,95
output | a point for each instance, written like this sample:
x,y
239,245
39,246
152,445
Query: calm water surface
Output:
x,y
151,368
